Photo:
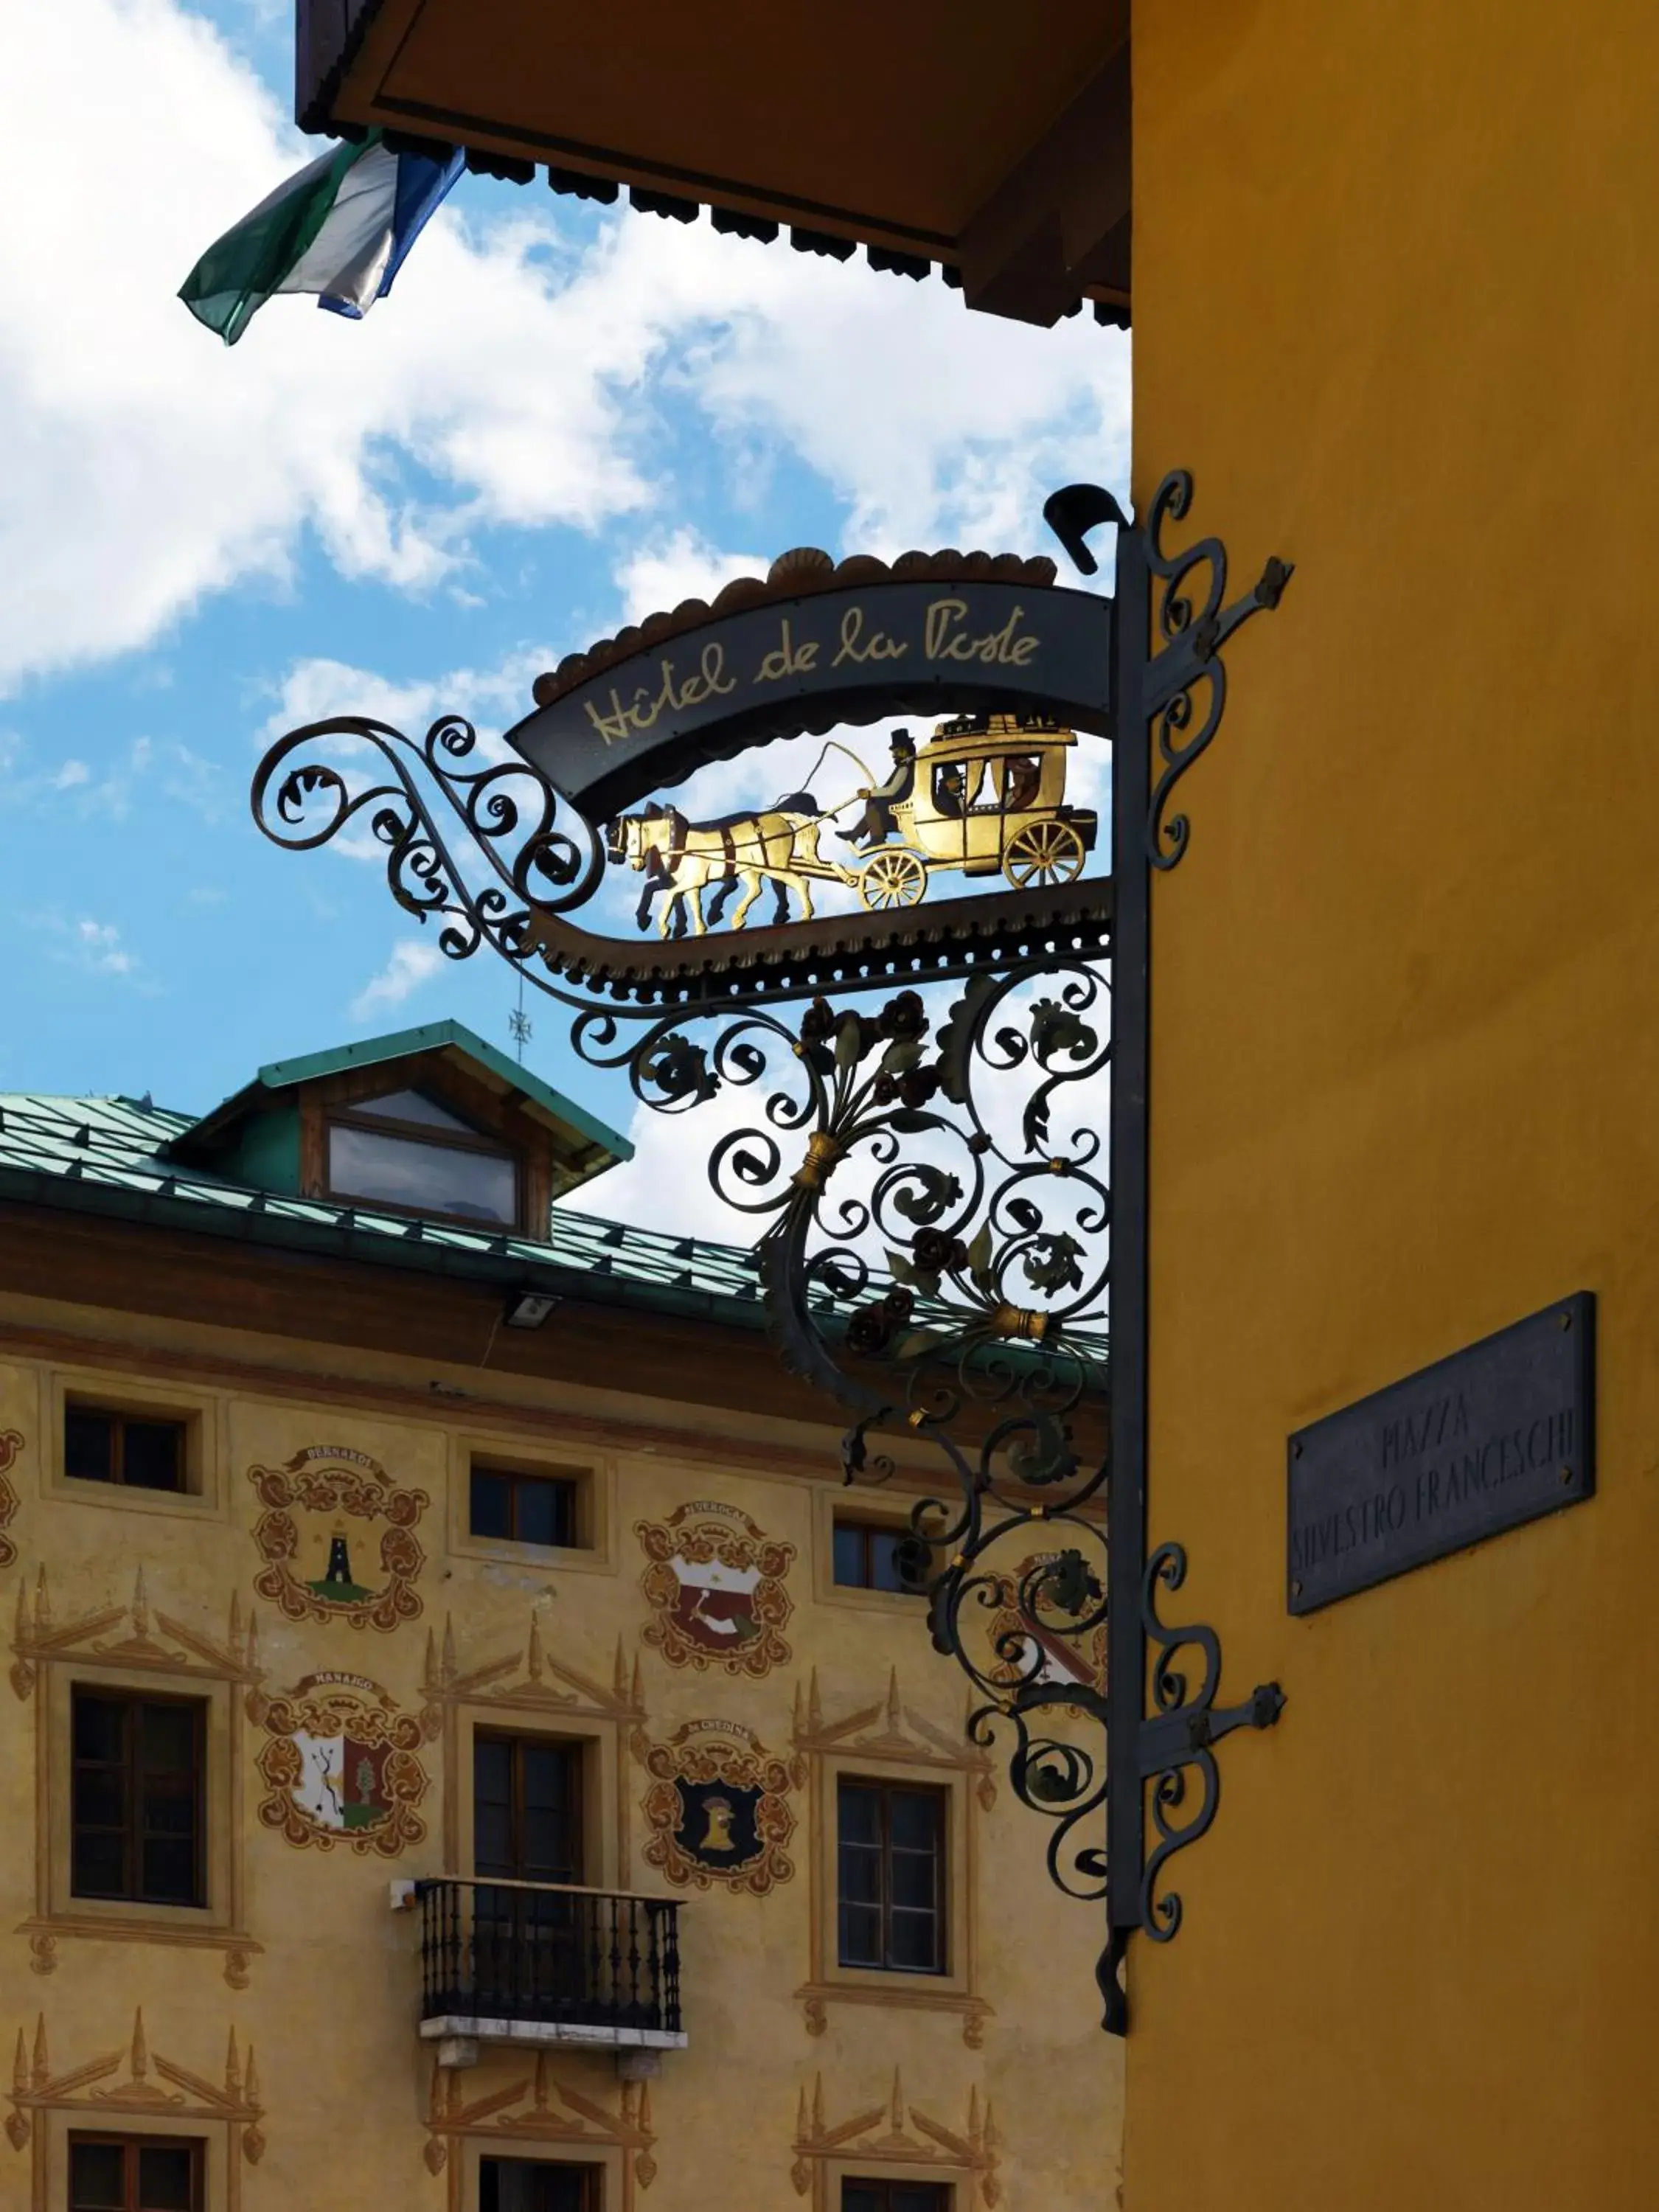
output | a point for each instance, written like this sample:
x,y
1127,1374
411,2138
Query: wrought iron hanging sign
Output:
x,y
956,1285
814,647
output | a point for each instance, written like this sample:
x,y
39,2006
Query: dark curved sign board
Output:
x,y
802,666
1494,1435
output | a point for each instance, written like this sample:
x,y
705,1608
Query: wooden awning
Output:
x,y
988,141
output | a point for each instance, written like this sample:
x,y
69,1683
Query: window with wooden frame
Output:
x,y
527,1807
858,2195
139,1450
137,1769
870,1555
891,1863
526,1505
134,2173
537,2184
402,1150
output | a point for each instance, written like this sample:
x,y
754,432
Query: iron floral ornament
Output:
x,y
342,1766
715,1587
337,1535
718,1808
965,1157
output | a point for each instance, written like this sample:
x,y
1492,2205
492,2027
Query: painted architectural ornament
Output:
x,y
337,1537
104,2093
718,1808
891,2136
343,1767
555,2118
11,1443
715,1586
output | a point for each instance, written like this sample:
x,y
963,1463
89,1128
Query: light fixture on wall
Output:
x,y
529,1309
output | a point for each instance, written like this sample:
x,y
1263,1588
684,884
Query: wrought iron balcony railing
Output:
x,y
531,1962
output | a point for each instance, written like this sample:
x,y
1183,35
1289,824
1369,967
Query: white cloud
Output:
x,y
167,767
101,950
85,942
410,965
148,467
663,1186
315,690
659,575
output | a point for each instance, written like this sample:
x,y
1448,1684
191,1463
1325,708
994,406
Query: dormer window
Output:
x,y
403,1150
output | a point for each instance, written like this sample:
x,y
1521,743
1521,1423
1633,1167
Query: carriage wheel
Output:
x,y
895,878
1043,853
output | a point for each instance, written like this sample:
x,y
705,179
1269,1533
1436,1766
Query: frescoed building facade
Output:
x,y
460,1748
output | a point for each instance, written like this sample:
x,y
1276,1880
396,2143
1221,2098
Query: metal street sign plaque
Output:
x,y
1495,1435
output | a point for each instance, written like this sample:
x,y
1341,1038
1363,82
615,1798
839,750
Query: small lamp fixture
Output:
x,y
529,1309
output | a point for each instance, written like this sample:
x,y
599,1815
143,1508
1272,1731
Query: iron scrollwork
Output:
x,y
1177,1740
521,860
938,1236
1189,654
936,1257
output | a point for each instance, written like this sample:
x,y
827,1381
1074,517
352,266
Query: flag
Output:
x,y
342,228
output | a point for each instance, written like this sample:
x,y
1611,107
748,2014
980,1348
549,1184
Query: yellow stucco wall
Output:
x,y
1397,306
325,1988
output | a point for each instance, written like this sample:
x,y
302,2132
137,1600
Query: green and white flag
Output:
x,y
341,229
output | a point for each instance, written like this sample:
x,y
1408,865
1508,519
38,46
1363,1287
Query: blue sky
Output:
x,y
562,418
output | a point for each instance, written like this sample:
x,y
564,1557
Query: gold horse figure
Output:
x,y
683,858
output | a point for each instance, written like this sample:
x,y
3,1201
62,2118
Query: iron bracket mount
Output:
x,y
1174,615
1178,1737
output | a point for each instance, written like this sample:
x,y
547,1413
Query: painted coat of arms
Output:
x,y
337,1539
343,1767
718,1808
715,1586
1033,1651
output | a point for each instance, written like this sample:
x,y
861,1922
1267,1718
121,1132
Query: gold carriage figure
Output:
x,y
986,797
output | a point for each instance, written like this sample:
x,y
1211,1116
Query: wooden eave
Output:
x,y
991,142
604,1335
685,1349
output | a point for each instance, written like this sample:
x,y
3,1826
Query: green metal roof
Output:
x,y
109,1157
434,1036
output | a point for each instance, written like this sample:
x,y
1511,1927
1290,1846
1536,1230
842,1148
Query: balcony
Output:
x,y
529,1963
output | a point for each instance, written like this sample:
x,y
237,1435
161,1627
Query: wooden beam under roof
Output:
x,y
990,141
